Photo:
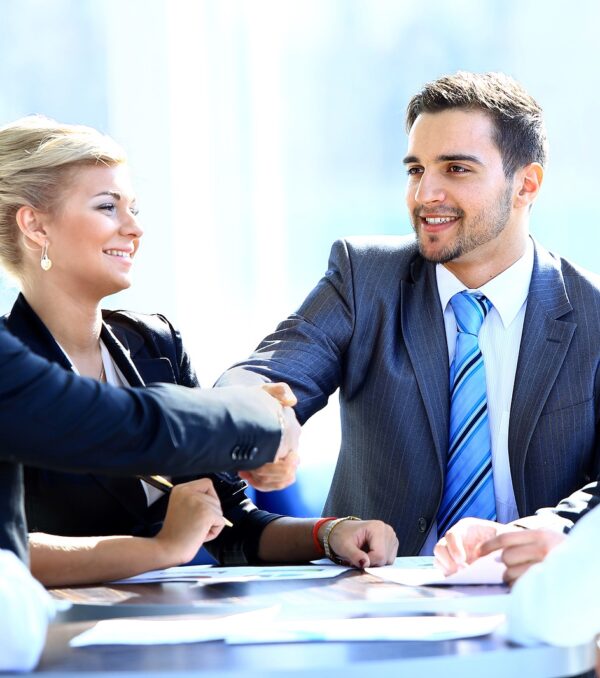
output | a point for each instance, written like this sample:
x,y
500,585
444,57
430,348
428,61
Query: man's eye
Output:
x,y
458,169
411,171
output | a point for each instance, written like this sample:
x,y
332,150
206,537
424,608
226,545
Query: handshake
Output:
x,y
281,472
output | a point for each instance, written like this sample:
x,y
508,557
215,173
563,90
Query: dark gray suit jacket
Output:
x,y
373,327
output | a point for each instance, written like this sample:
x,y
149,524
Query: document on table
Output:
x,y
169,631
209,574
487,570
368,628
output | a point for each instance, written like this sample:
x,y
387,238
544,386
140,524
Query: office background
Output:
x,y
259,131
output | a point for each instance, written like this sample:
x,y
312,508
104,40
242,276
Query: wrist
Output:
x,y
165,552
328,531
318,532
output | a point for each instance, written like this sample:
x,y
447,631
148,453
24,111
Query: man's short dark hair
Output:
x,y
520,133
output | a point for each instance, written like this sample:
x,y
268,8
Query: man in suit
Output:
x,y
381,326
53,419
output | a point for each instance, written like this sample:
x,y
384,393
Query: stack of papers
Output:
x,y
209,574
488,570
261,626
168,631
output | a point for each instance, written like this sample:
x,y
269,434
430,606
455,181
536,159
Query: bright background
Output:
x,y
259,131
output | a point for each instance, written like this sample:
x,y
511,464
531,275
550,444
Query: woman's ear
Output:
x,y
31,223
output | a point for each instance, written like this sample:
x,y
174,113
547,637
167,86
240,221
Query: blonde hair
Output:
x,y
37,155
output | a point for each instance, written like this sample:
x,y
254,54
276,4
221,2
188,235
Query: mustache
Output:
x,y
439,211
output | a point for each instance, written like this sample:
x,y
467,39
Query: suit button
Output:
x,y
253,453
422,525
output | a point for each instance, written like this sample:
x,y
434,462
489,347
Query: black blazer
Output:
x,y
146,348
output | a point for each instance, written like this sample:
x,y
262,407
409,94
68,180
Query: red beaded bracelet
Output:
x,y
315,534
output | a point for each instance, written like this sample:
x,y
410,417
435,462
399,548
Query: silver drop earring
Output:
x,y
45,261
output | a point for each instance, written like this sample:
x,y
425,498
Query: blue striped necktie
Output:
x,y
469,484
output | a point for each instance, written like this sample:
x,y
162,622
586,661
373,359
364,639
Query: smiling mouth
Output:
x,y
119,253
435,224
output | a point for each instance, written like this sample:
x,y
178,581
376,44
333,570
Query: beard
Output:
x,y
483,227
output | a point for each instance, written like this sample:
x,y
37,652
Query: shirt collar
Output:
x,y
507,291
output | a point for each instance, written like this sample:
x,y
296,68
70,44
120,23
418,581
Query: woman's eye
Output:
x,y
107,207
134,210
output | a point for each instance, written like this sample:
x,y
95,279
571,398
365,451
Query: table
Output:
x,y
489,656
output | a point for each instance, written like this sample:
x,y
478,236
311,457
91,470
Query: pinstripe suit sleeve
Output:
x,y
306,350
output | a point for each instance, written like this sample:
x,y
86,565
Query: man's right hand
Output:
x,y
290,437
281,472
461,544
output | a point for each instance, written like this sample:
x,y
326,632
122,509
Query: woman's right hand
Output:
x,y
194,515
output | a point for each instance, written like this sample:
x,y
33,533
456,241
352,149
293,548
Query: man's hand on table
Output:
x,y
363,543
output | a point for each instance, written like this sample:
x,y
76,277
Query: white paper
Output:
x,y
169,631
487,570
383,628
209,574
406,561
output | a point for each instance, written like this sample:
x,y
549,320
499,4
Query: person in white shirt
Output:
x,y
26,611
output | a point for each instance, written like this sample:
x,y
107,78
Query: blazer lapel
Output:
x,y
425,338
121,354
130,354
24,323
545,341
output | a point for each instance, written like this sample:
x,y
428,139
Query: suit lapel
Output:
x,y
130,354
425,338
545,341
121,355
24,323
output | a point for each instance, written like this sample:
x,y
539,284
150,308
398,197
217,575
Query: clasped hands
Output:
x,y
282,471
472,538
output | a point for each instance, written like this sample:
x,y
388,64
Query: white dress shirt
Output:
x,y
499,340
26,611
557,601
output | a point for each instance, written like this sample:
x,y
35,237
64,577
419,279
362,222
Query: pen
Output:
x,y
161,483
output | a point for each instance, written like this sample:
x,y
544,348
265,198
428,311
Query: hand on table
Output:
x,y
363,543
194,515
461,544
521,549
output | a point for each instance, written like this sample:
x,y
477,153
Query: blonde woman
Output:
x,y
69,233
